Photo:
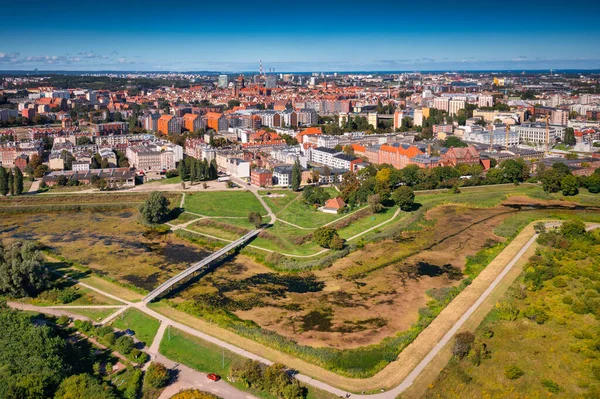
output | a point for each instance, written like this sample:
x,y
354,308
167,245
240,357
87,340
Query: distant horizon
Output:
x,y
311,36
256,72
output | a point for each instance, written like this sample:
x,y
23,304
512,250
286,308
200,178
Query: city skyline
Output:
x,y
307,37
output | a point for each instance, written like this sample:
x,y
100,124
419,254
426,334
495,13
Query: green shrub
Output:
x,y
85,326
462,344
513,372
596,370
109,339
551,386
507,311
157,375
63,320
138,356
536,314
124,344
67,295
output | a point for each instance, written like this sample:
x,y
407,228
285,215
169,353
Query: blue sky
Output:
x,y
299,36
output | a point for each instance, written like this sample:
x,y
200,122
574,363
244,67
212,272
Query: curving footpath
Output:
x,y
230,392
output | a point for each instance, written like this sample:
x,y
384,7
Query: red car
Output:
x,y
213,377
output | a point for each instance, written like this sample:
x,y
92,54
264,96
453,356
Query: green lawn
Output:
x,y
144,326
284,238
223,203
94,314
278,203
303,215
170,180
209,358
360,225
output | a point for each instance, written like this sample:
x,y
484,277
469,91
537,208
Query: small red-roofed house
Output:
x,y
333,205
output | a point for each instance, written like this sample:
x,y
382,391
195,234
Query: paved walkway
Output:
x,y
191,378
35,186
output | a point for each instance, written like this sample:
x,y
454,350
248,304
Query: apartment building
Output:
x,y
535,133
169,124
193,122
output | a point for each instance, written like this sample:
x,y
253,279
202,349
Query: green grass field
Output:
x,y
144,326
286,239
209,358
366,222
94,314
223,203
278,203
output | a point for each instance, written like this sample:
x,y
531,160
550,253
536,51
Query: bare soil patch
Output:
x,y
371,294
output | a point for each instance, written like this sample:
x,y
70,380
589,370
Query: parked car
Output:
x,y
213,377
129,332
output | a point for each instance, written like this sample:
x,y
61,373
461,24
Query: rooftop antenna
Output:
x,y
261,68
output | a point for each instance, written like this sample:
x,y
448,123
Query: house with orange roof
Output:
x,y
333,205
308,132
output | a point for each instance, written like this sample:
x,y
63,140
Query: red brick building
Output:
x,y
458,156
261,177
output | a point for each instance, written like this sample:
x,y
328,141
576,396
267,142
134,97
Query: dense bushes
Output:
x,y
462,344
194,394
327,237
157,375
273,379
22,272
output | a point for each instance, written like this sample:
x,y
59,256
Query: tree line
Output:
x,y
11,181
195,170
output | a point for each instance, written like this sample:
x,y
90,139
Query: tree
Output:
x,y
32,359
255,218
83,386
404,197
40,171
4,187
35,160
569,138
540,227
296,176
453,141
573,229
22,272
83,140
462,344
569,185
11,182
18,181
375,203
213,171
551,179
592,183
124,344
68,159
157,375
155,209
324,236
314,195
